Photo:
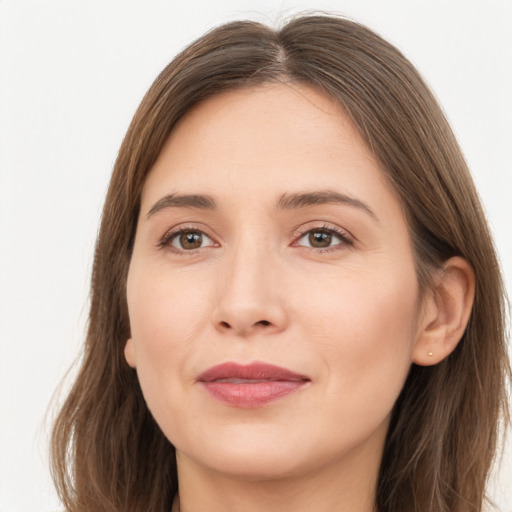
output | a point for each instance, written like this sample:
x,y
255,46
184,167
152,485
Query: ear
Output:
x,y
130,354
446,313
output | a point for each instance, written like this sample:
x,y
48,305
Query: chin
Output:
x,y
256,464
246,452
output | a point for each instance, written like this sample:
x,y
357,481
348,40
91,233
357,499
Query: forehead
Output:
x,y
282,136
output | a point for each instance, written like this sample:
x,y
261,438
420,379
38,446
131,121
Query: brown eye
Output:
x,y
319,239
324,238
188,240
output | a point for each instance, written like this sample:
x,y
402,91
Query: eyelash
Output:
x,y
346,239
167,239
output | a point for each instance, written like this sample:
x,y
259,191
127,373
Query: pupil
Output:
x,y
320,239
191,240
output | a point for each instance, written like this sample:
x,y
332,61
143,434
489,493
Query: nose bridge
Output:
x,y
246,277
248,295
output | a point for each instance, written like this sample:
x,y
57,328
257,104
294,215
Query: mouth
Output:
x,y
250,386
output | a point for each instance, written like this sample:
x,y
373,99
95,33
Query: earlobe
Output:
x,y
446,313
129,353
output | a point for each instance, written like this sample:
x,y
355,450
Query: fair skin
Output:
x,y
324,285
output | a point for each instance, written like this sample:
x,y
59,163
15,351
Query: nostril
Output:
x,y
242,328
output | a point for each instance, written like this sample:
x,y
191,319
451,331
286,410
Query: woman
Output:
x,y
296,304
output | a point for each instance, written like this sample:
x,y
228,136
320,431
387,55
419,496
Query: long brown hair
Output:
x,y
108,454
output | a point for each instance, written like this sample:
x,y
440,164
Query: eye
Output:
x,y
186,240
323,238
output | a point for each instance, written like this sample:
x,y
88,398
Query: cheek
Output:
x,y
365,329
166,316
165,309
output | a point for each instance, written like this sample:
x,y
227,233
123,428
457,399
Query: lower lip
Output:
x,y
252,394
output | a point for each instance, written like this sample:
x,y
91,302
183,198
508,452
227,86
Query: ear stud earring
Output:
x,y
430,354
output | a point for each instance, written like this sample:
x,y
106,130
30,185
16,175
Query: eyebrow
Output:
x,y
287,201
199,201
305,199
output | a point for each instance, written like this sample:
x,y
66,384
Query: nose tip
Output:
x,y
249,303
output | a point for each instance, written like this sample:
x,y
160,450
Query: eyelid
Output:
x,y
347,238
165,241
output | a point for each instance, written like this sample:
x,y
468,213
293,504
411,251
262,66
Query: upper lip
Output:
x,y
256,371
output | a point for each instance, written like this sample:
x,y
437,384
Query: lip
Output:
x,y
252,385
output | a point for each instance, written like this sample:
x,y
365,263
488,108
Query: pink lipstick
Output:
x,y
252,385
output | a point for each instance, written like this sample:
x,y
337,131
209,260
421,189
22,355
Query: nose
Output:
x,y
251,298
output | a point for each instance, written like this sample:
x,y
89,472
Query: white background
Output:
x,y
71,75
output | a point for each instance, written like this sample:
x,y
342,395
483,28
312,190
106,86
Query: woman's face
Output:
x,y
269,237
